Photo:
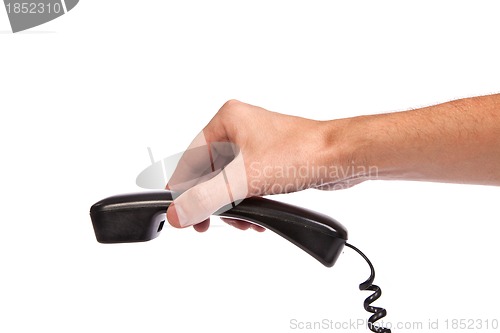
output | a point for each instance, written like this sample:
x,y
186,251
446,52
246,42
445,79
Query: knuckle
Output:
x,y
230,107
230,114
232,103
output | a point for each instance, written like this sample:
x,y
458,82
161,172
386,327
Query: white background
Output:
x,y
82,97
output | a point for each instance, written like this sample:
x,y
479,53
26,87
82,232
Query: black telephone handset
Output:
x,y
140,217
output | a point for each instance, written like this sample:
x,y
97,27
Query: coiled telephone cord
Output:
x,y
378,313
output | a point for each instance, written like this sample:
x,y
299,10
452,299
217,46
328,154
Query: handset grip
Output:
x,y
140,217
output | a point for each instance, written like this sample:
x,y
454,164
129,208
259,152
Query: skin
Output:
x,y
455,142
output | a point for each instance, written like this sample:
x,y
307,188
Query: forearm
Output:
x,y
457,142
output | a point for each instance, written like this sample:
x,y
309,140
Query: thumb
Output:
x,y
217,194
199,202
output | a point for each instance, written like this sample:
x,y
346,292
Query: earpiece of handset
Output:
x,y
140,217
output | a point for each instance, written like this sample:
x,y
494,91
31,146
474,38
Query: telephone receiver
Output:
x,y
140,217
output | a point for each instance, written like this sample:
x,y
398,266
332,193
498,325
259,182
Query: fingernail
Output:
x,y
172,216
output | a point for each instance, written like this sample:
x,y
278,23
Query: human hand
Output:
x,y
274,153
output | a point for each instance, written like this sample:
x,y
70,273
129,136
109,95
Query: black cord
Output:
x,y
378,313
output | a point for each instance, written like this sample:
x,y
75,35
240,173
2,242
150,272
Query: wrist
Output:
x,y
342,150
383,146
348,145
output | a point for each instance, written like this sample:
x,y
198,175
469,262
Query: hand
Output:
x,y
269,153
275,153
